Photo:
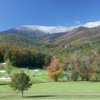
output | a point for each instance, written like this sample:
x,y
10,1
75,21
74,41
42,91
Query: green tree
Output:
x,y
27,57
66,68
96,69
8,66
98,50
74,75
47,60
7,55
15,57
39,60
20,82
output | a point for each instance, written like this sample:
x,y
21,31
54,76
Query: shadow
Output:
x,y
4,84
38,96
31,67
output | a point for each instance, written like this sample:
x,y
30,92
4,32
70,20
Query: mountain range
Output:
x,y
53,40
57,34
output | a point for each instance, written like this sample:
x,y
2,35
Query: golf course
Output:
x,y
42,89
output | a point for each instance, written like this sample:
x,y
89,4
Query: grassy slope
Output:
x,y
57,90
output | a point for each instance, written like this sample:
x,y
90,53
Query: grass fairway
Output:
x,y
66,88
50,90
47,97
56,90
39,76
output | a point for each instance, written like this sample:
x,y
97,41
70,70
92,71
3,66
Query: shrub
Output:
x,y
74,75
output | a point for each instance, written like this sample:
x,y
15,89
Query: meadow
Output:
x,y
41,89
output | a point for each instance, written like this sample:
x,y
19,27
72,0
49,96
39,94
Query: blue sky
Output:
x,y
14,13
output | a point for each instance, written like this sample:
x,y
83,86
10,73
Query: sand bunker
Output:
x,y
2,71
36,70
4,78
3,63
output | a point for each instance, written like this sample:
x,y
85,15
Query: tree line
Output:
x,y
83,65
21,57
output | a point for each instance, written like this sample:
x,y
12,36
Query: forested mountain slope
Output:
x,y
85,35
79,38
19,41
49,48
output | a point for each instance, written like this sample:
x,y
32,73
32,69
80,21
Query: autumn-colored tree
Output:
x,y
70,65
66,68
55,71
87,62
96,68
73,67
80,64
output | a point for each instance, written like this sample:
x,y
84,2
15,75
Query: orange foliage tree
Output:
x,y
55,71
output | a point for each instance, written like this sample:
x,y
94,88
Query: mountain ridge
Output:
x,y
57,29
42,33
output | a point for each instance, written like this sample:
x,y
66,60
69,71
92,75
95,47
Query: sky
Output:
x,y
15,13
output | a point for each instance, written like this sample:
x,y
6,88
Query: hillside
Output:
x,y
66,35
81,36
19,41
53,49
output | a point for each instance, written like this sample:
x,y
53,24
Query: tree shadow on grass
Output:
x,y
39,96
3,84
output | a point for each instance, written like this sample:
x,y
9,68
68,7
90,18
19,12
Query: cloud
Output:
x,y
77,22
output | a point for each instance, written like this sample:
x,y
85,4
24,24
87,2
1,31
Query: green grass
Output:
x,y
56,90
45,97
39,76
66,87
51,90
